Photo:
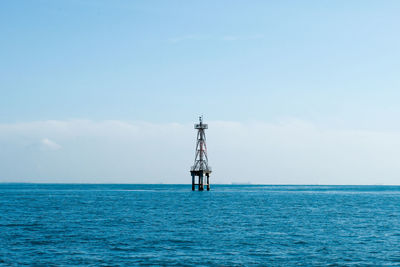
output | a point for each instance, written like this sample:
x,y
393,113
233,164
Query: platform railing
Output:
x,y
193,168
200,126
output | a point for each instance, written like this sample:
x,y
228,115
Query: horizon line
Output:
x,y
233,183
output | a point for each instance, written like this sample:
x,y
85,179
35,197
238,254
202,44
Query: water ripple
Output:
x,y
120,225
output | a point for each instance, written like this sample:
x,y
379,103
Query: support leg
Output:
x,y
201,185
208,182
193,182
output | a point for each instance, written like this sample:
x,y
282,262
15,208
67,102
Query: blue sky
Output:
x,y
330,64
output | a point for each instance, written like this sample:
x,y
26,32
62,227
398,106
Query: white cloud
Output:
x,y
290,152
242,37
49,144
189,37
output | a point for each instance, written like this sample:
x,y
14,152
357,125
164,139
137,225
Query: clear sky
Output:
x,y
296,91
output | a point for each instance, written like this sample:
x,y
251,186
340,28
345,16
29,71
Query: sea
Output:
x,y
169,225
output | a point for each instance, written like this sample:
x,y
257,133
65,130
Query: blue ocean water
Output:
x,y
232,225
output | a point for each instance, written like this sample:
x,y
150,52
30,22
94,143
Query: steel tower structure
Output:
x,y
200,167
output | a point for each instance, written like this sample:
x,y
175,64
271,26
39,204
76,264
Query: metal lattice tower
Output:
x,y
200,167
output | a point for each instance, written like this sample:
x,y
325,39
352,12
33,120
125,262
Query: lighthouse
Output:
x,y
200,168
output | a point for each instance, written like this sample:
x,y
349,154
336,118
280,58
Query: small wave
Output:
x,y
41,242
128,249
300,242
18,225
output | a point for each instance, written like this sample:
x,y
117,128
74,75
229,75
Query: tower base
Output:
x,y
202,175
